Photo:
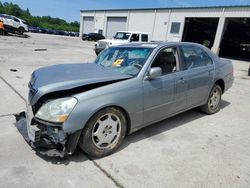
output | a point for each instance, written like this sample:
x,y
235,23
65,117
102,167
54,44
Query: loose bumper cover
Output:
x,y
45,139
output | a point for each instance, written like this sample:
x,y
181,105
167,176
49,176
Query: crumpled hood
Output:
x,y
68,76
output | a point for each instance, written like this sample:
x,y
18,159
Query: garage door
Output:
x,y
200,30
88,25
115,24
235,41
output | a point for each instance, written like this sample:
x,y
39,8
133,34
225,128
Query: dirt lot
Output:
x,y
188,150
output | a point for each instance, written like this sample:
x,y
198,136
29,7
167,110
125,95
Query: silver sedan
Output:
x,y
128,87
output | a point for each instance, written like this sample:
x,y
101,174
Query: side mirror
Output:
x,y
154,72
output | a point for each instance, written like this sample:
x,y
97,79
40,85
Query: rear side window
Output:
x,y
144,38
16,20
8,17
195,57
135,38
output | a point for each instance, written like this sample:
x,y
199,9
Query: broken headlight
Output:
x,y
57,110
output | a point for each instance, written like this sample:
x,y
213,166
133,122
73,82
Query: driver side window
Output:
x,y
166,60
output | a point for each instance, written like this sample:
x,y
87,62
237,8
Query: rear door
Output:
x,y
199,73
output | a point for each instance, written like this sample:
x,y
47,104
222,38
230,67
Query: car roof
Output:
x,y
139,32
152,44
7,15
11,16
158,44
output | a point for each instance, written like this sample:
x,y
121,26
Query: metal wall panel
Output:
x,y
161,26
158,21
142,21
115,24
237,12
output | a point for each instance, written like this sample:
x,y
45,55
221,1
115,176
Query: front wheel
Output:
x,y
21,31
103,133
213,103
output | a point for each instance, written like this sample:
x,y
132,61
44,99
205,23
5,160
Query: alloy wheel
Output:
x,y
106,131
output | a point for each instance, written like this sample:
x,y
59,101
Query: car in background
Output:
x,y
121,37
92,36
60,32
95,105
13,24
42,30
50,31
76,34
72,34
33,29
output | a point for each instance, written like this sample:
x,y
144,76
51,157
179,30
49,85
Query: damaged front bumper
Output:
x,y
46,139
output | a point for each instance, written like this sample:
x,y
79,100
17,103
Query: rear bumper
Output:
x,y
228,82
44,139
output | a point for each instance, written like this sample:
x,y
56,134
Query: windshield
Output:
x,y
124,59
24,22
122,35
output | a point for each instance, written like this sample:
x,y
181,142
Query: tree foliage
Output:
x,y
38,21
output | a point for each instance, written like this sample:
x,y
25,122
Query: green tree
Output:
x,y
38,21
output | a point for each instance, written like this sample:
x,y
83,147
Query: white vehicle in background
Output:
x,y
13,24
121,37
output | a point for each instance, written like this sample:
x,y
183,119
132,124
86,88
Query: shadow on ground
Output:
x,y
17,35
167,124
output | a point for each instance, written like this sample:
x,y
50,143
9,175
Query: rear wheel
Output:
x,y
213,103
103,133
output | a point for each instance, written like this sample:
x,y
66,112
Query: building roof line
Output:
x,y
167,8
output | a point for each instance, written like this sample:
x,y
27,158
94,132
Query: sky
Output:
x,y
70,9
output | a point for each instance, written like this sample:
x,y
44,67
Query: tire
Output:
x,y
21,30
213,103
103,133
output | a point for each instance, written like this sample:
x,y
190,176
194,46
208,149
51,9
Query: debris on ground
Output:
x,y
13,70
19,77
40,49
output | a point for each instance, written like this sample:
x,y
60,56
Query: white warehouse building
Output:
x,y
226,30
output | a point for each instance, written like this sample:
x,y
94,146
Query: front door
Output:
x,y
160,94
